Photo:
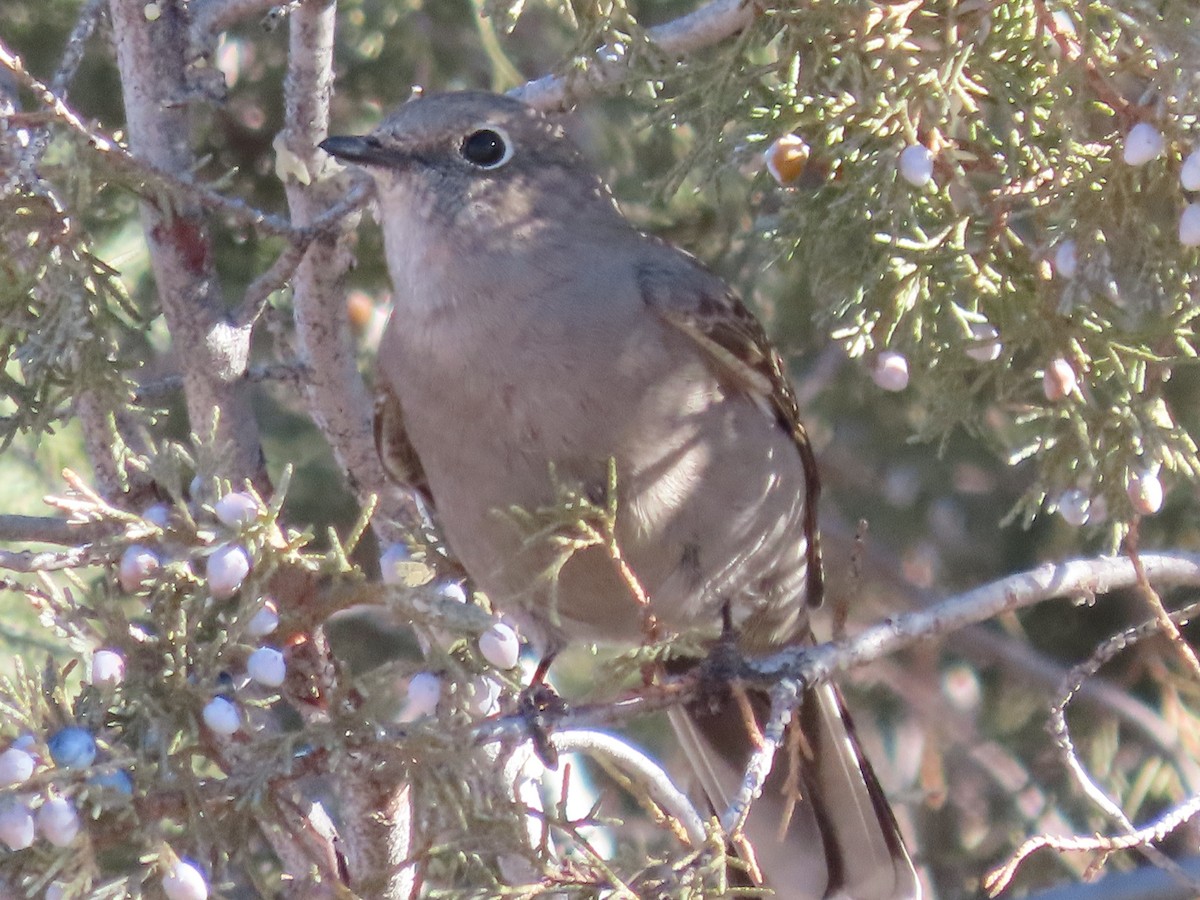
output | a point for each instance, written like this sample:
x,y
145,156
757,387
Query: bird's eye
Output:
x,y
487,148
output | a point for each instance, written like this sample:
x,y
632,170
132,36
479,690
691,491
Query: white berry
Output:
x,y
137,565
197,487
392,563
484,699
58,822
985,346
15,767
961,686
1065,261
1074,506
1059,380
1145,492
184,881
424,692
1189,226
227,568
499,646
237,509
264,621
891,371
108,668
1189,174
16,825
221,716
157,514
1143,144
452,590
916,165
267,666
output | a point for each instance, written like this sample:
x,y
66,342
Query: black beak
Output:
x,y
365,149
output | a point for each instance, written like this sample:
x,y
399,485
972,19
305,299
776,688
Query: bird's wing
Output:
x,y
699,305
396,452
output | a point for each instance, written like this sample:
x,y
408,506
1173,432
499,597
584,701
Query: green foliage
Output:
x,y
62,312
1025,111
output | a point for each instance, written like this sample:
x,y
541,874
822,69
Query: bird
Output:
x,y
540,343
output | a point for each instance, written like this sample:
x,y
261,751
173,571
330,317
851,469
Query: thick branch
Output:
x,y
152,57
708,25
337,397
375,803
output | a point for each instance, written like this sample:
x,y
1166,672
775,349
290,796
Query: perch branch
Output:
x,y
813,664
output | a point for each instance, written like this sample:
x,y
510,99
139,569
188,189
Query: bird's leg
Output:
x,y
541,706
719,670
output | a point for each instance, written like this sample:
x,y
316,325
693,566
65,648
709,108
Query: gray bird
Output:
x,y
537,339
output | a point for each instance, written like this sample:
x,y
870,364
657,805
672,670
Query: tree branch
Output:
x,y
139,170
212,17
152,57
809,665
337,397
1059,728
51,530
1081,577
708,25
638,766
85,24
376,803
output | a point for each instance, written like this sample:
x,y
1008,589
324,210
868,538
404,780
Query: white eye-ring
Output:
x,y
487,148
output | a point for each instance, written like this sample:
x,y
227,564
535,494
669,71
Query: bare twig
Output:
x,y
1017,658
376,801
639,767
1024,661
85,24
1081,577
1058,726
286,373
211,17
783,703
50,530
47,560
260,290
997,880
708,25
1154,601
142,171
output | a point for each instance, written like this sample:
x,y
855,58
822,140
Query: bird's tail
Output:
x,y
841,840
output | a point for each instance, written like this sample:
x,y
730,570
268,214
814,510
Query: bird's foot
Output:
x,y
719,670
541,707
